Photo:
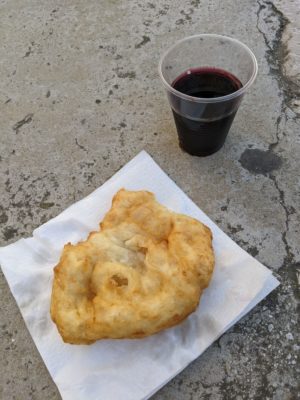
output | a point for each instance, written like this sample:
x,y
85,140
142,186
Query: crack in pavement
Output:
x,y
277,52
80,145
276,55
289,255
26,120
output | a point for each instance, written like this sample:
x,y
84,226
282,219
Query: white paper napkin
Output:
x,y
128,369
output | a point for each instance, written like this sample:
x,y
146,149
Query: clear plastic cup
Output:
x,y
206,77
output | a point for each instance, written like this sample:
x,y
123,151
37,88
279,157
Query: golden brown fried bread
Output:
x,y
144,271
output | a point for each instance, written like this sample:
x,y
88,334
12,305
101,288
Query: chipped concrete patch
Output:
x,y
291,38
284,49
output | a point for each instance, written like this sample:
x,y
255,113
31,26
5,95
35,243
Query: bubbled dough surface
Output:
x,y
144,271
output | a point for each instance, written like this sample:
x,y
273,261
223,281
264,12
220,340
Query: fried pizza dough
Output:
x,y
144,271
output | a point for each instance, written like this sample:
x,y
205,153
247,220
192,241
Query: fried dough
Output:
x,y
143,272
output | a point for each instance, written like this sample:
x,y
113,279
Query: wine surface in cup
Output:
x,y
204,137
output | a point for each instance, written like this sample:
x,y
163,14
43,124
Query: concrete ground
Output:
x,y
80,96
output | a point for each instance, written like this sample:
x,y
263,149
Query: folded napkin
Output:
x,y
128,369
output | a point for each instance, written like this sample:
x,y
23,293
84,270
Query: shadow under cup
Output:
x,y
206,77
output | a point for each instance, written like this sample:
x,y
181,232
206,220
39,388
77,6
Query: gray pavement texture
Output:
x,y
80,96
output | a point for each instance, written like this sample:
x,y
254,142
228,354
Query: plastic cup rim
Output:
x,y
237,93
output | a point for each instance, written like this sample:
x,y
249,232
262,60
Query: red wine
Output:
x,y
204,128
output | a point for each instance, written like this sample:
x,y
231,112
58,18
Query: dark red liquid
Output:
x,y
205,129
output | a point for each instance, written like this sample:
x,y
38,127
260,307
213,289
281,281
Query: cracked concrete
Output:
x,y
278,55
80,96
